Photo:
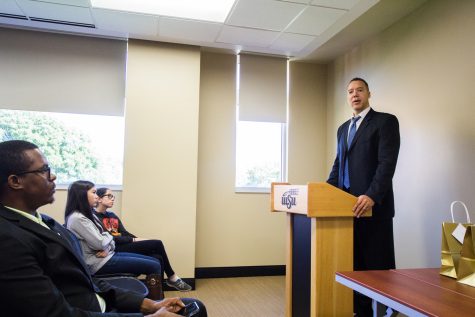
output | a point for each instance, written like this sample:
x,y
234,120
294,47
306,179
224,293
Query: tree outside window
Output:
x,y
73,144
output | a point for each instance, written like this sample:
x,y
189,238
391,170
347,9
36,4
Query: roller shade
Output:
x,y
262,91
62,73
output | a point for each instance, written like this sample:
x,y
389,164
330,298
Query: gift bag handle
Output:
x,y
464,206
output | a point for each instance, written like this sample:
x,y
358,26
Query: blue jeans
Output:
x,y
132,263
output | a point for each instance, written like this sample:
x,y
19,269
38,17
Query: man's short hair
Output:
x,y
359,79
13,159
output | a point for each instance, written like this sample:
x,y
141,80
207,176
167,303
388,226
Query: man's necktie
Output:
x,y
351,135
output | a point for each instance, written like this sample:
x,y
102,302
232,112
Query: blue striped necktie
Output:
x,y
351,135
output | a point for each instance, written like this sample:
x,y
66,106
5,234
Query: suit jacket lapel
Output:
x,y
29,225
361,128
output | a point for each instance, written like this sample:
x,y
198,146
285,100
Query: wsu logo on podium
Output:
x,y
289,198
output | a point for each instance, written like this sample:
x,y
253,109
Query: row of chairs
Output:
x,y
151,286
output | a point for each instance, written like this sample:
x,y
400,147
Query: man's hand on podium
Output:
x,y
363,204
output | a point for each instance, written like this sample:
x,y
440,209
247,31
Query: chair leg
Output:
x,y
379,310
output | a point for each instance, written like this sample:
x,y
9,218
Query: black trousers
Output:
x,y
153,248
373,247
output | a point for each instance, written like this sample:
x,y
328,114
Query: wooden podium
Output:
x,y
319,243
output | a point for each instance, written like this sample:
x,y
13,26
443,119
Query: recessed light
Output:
x,y
205,10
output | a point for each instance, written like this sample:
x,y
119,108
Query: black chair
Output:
x,y
122,280
130,283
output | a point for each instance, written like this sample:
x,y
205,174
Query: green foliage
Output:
x,y
262,175
67,150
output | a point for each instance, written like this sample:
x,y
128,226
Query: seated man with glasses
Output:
x,y
46,170
41,274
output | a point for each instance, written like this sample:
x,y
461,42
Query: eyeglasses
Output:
x,y
44,170
110,196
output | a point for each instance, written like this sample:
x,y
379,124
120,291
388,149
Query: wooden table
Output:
x,y
413,292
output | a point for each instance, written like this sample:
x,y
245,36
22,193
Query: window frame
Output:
x,y
284,139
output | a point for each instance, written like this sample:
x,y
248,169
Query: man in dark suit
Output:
x,y
41,273
368,148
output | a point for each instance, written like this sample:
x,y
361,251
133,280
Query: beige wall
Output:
x,y
161,147
233,229
307,123
422,70
237,229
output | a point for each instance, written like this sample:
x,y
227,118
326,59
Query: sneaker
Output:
x,y
179,285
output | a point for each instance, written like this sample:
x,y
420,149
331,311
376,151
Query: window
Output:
x,y
47,76
259,155
261,128
89,147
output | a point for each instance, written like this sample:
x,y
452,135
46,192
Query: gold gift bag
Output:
x,y
451,247
466,268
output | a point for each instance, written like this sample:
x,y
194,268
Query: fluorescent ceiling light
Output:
x,y
206,10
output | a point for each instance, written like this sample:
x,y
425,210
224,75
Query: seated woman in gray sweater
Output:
x,y
97,244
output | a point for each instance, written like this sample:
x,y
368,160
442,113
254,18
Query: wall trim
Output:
x,y
239,271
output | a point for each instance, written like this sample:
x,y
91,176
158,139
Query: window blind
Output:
x,y
262,91
62,73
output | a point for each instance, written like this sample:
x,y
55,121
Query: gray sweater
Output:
x,y
92,240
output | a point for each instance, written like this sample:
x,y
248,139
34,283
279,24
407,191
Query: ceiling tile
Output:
x,y
79,3
198,31
291,43
296,1
281,27
126,22
264,14
243,36
10,7
52,11
315,20
340,4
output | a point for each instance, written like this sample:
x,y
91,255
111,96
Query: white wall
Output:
x,y
421,69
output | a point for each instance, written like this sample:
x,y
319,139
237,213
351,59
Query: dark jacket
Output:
x,y
372,159
42,274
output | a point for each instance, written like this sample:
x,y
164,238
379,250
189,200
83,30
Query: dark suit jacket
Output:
x,y
372,159
41,274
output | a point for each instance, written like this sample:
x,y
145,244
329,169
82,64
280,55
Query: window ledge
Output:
x,y
252,190
62,186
